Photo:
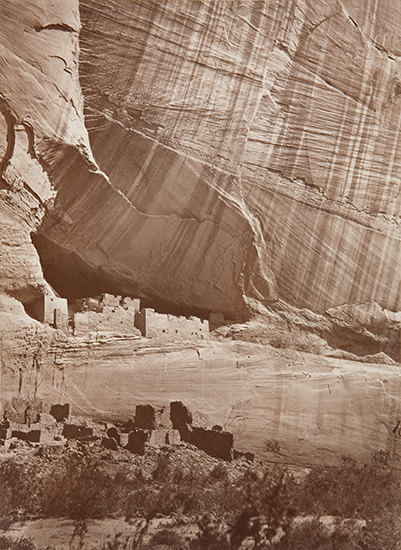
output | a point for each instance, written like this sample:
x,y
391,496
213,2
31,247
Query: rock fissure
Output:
x,y
10,120
64,27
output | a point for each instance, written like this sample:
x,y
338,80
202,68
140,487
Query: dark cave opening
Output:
x,y
72,278
68,274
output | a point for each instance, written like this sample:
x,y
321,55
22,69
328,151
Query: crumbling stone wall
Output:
x,y
111,319
73,431
156,325
131,303
145,417
51,310
107,313
137,441
215,442
87,304
151,426
60,412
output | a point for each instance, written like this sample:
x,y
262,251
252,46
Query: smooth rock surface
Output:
x,y
283,405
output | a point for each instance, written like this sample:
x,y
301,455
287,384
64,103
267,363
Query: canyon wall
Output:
x,y
209,156
286,406
40,101
231,153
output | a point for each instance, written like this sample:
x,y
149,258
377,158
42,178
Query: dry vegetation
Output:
x,y
229,505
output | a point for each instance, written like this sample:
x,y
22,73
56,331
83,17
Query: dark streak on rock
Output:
x,y
55,27
10,121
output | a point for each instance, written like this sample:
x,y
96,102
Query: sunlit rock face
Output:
x,y
241,150
285,406
40,100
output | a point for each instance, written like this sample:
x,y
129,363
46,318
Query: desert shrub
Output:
x,y
122,542
165,537
254,507
309,535
20,487
213,534
218,473
22,543
352,490
75,487
256,503
312,535
267,510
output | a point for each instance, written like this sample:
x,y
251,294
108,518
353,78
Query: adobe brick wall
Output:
x,y
131,303
60,412
110,443
87,304
137,440
50,304
51,310
215,442
111,319
60,320
158,325
109,300
74,431
145,417
164,436
34,436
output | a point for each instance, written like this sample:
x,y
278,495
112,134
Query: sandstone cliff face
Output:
x,y
237,151
285,406
40,100
209,155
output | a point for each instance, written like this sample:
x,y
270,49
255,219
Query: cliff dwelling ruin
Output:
x,y
200,265
117,314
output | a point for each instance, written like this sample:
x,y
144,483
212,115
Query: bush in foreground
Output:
x,y
230,504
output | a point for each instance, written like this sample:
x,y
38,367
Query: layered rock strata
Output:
x,y
237,152
284,406
209,156
40,101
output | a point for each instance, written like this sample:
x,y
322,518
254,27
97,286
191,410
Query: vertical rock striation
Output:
x,y
40,101
240,152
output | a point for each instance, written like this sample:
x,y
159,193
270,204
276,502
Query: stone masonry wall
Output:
x,y
111,319
156,325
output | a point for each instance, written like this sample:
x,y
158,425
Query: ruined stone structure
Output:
x,y
118,314
106,313
109,320
154,325
52,310
60,412
152,426
215,442
87,304
73,431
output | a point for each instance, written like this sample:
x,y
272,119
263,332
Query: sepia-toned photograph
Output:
x,y
200,274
